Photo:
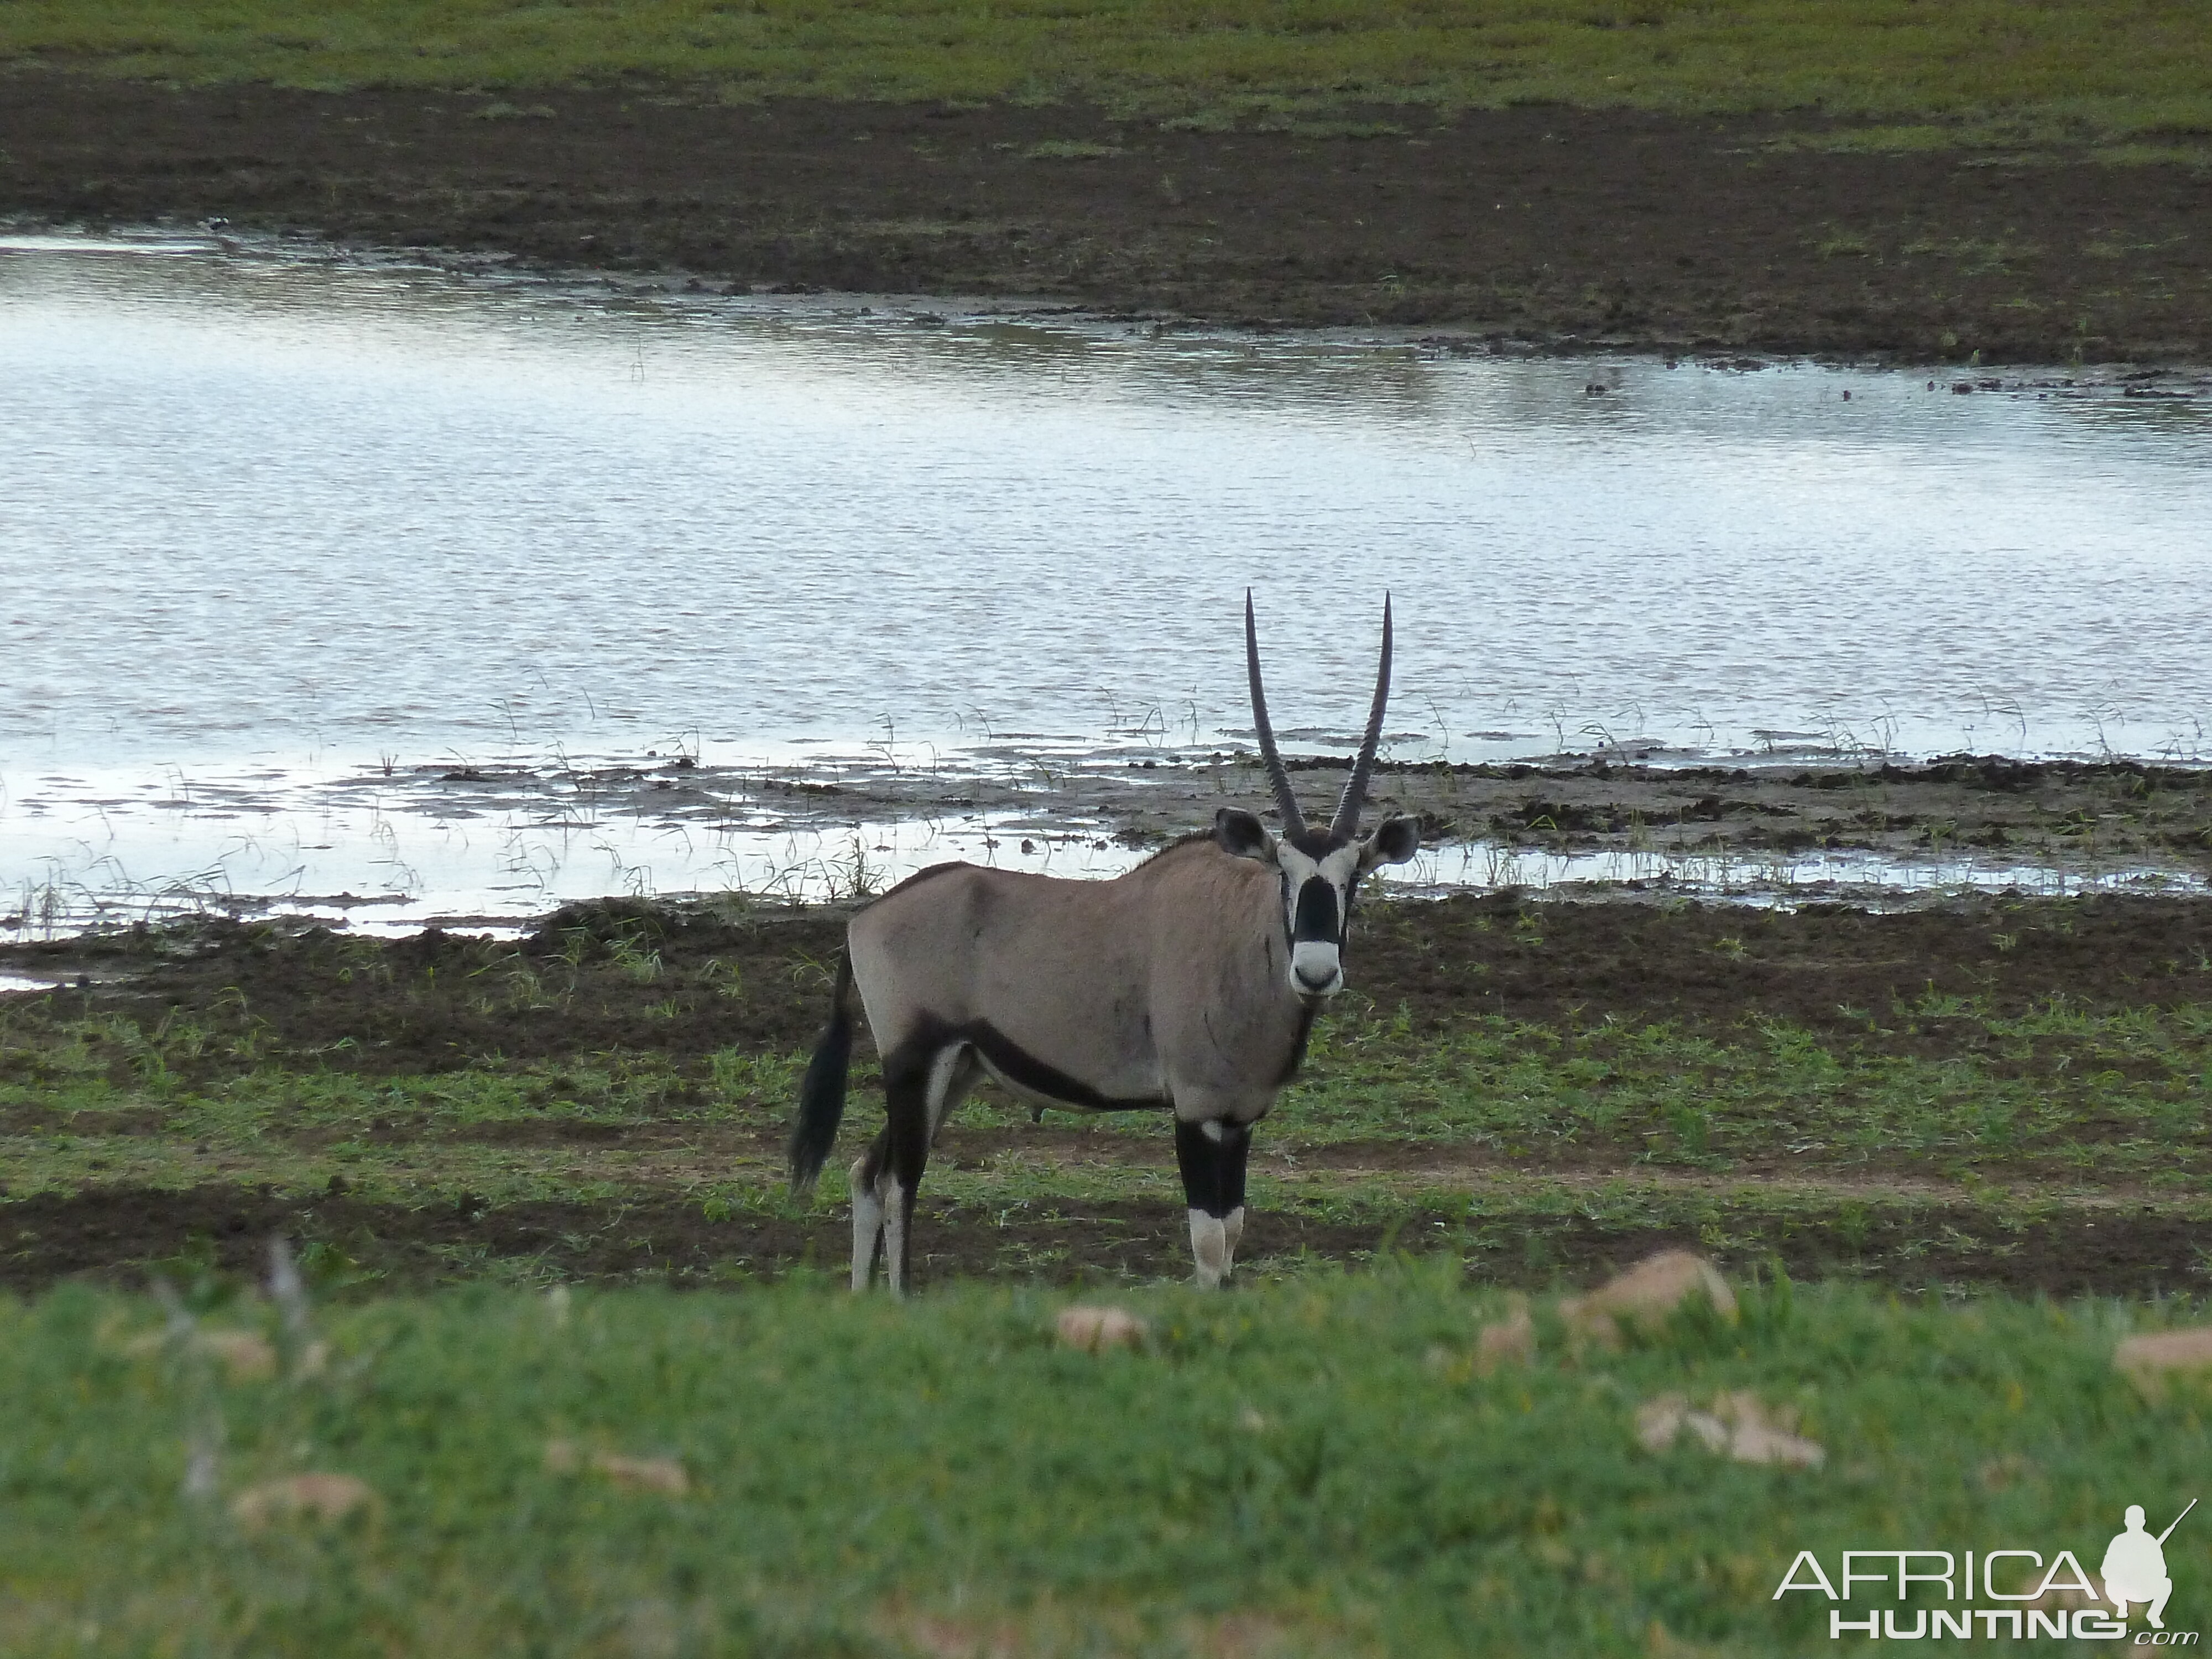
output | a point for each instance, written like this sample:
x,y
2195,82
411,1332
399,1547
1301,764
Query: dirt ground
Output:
x,y
112,1233
321,1002
366,1006
1542,228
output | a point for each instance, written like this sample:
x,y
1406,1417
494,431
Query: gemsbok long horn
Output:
x,y
1286,804
1346,822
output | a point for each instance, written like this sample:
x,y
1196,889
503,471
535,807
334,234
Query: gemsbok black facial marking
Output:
x,y
1191,981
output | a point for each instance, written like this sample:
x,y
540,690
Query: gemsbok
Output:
x,y
1190,984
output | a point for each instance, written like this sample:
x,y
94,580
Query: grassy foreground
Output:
x,y
2063,69
1321,1467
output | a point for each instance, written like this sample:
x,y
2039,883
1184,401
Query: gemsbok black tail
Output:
x,y
821,1091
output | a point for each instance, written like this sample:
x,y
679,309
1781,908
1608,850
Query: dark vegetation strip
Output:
x,y
2064,67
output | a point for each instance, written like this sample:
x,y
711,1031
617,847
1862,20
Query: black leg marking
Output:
x,y
1236,1147
1198,1155
906,1100
1212,1158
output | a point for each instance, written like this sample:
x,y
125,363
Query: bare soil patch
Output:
x,y
665,987
1546,227
576,988
120,1235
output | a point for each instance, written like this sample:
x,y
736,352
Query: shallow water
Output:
x,y
270,512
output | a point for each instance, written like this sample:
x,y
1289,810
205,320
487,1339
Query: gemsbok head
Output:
x,y
1189,984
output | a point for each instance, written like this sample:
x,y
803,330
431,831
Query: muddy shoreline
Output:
x,y
1546,228
1870,833
2063,814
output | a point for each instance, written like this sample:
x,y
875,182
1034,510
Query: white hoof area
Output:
x,y
1209,1248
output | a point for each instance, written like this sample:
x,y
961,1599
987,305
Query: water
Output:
x,y
278,517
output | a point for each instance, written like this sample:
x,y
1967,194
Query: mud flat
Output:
x,y
1534,227
2061,811
1997,1091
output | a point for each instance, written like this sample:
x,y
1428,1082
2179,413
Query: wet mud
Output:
x,y
1535,227
120,1235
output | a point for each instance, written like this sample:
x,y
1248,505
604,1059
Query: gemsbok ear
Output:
x,y
1394,840
1240,834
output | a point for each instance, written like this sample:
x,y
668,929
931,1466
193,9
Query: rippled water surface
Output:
x,y
268,511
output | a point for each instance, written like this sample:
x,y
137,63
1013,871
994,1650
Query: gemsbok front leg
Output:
x,y
1211,1154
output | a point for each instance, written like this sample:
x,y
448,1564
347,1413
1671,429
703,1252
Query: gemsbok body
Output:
x,y
1189,984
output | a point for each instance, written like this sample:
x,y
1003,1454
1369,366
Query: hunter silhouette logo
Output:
x,y
1988,1593
2135,1566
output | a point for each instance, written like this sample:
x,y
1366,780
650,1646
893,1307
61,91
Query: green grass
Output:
x,y
1942,1085
1315,1463
1996,71
1316,1468
1524,1150
1921,1141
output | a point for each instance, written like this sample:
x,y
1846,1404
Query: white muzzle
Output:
x,y
1314,969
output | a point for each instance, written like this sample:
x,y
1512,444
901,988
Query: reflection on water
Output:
x,y
383,868
266,506
268,509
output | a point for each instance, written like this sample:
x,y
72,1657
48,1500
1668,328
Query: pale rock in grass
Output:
x,y
660,1474
244,1356
1508,1342
1738,1427
2154,1362
944,1637
1660,1423
1642,1298
1660,1643
314,1496
1095,1329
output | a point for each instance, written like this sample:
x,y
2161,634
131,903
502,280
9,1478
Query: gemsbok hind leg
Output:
x,y
1211,1155
868,1208
922,1085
